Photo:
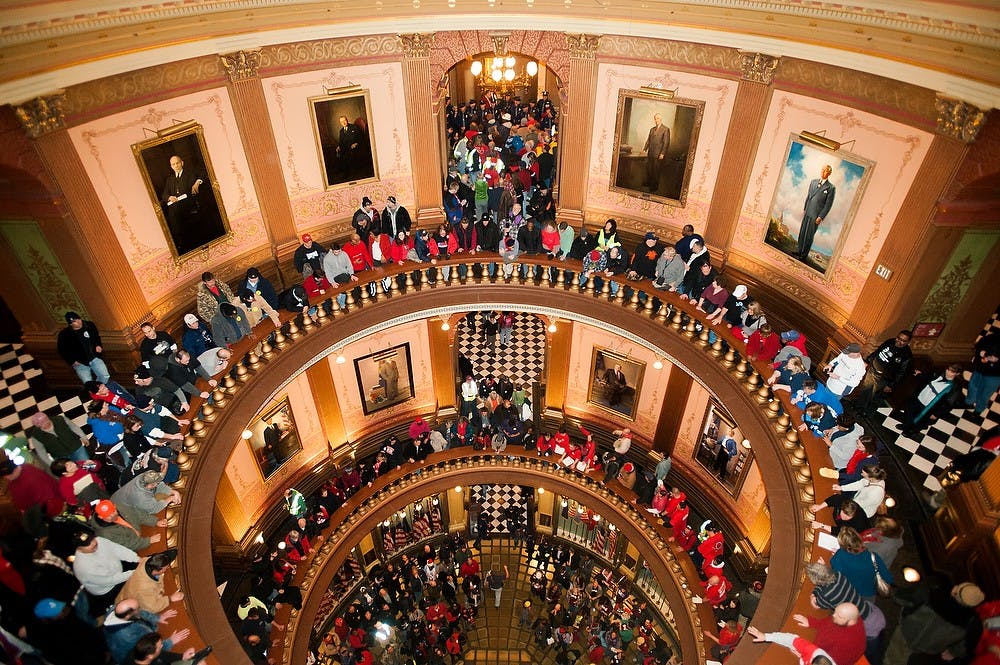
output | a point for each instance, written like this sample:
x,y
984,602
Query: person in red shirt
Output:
x,y
729,636
589,450
470,567
316,284
712,567
842,635
454,646
710,547
763,344
717,588
676,498
399,248
561,439
79,485
357,251
30,487
297,545
544,445
660,499
679,518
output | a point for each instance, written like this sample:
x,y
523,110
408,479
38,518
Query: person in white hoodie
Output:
x,y
868,492
846,371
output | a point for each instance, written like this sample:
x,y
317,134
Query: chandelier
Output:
x,y
500,71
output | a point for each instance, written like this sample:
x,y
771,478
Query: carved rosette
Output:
x,y
416,44
42,115
958,120
241,65
583,46
758,67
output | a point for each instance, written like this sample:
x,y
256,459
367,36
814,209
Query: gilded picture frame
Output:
x,y
799,195
385,378
192,217
718,423
606,390
653,160
345,117
274,438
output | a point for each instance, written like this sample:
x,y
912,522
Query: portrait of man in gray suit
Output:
x,y
657,144
819,200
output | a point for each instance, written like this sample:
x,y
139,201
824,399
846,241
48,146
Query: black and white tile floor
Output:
x,y
23,392
523,361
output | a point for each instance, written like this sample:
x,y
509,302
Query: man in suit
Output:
x,y
616,384
657,144
819,200
349,147
180,195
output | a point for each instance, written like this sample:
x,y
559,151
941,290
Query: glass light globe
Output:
x,y
509,74
497,75
531,68
477,67
510,61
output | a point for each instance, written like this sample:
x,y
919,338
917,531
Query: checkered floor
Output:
x,y
943,441
497,498
23,392
523,361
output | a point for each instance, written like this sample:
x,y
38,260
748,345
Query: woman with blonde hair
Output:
x,y
790,377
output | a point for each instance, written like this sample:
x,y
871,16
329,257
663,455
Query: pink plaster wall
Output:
x,y
897,151
104,146
298,149
346,382
718,95
242,471
654,382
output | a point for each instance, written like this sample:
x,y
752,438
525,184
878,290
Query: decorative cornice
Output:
x,y
416,44
583,46
241,65
758,67
42,115
958,120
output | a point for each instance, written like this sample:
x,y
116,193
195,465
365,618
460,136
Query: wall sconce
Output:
x,y
818,139
658,363
458,489
246,435
541,490
444,323
552,324
260,538
746,444
340,358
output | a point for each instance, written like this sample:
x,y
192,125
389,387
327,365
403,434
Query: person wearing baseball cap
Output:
x,y
62,637
395,218
845,371
124,526
935,621
79,343
594,262
308,256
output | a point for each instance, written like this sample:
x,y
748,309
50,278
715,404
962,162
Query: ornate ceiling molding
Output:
x,y
958,120
416,44
583,46
758,67
42,115
241,65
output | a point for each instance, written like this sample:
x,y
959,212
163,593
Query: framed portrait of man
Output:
x,y
273,437
385,378
721,450
655,142
342,122
182,187
814,202
615,382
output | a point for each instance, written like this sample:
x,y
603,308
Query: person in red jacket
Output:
x,y
679,518
729,636
30,487
561,439
808,653
454,646
717,588
297,546
399,248
79,485
842,635
470,567
316,284
763,344
589,450
712,567
660,499
676,498
378,246
710,546
357,251
544,445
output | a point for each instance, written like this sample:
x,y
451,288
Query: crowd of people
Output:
x,y
498,202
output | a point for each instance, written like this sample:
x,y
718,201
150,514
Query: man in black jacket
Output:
x,y
395,218
79,344
887,365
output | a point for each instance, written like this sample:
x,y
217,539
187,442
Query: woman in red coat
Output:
x,y
399,248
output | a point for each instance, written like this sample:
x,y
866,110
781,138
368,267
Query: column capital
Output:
x,y
42,115
758,67
957,119
416,44
241,65
582,46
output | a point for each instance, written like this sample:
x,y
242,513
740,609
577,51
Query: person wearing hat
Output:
x,y
229,324
155,347
146,585
124,526
509,250
79,344
308,256
260,286
794,345
211,294
887,366
584,243
645,257
594,262
365,219
627,476
736,306
146,492
62,637
102,568
79,484
160,389
395,218
935,620
257,307
845,371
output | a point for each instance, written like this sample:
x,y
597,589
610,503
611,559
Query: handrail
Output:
x,y
674,328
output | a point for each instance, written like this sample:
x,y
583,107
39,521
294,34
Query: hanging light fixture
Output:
x,y
499,72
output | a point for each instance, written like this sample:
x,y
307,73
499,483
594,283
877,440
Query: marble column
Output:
x,y
424,128
576,114
752,100
247,95
916,249
95,261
